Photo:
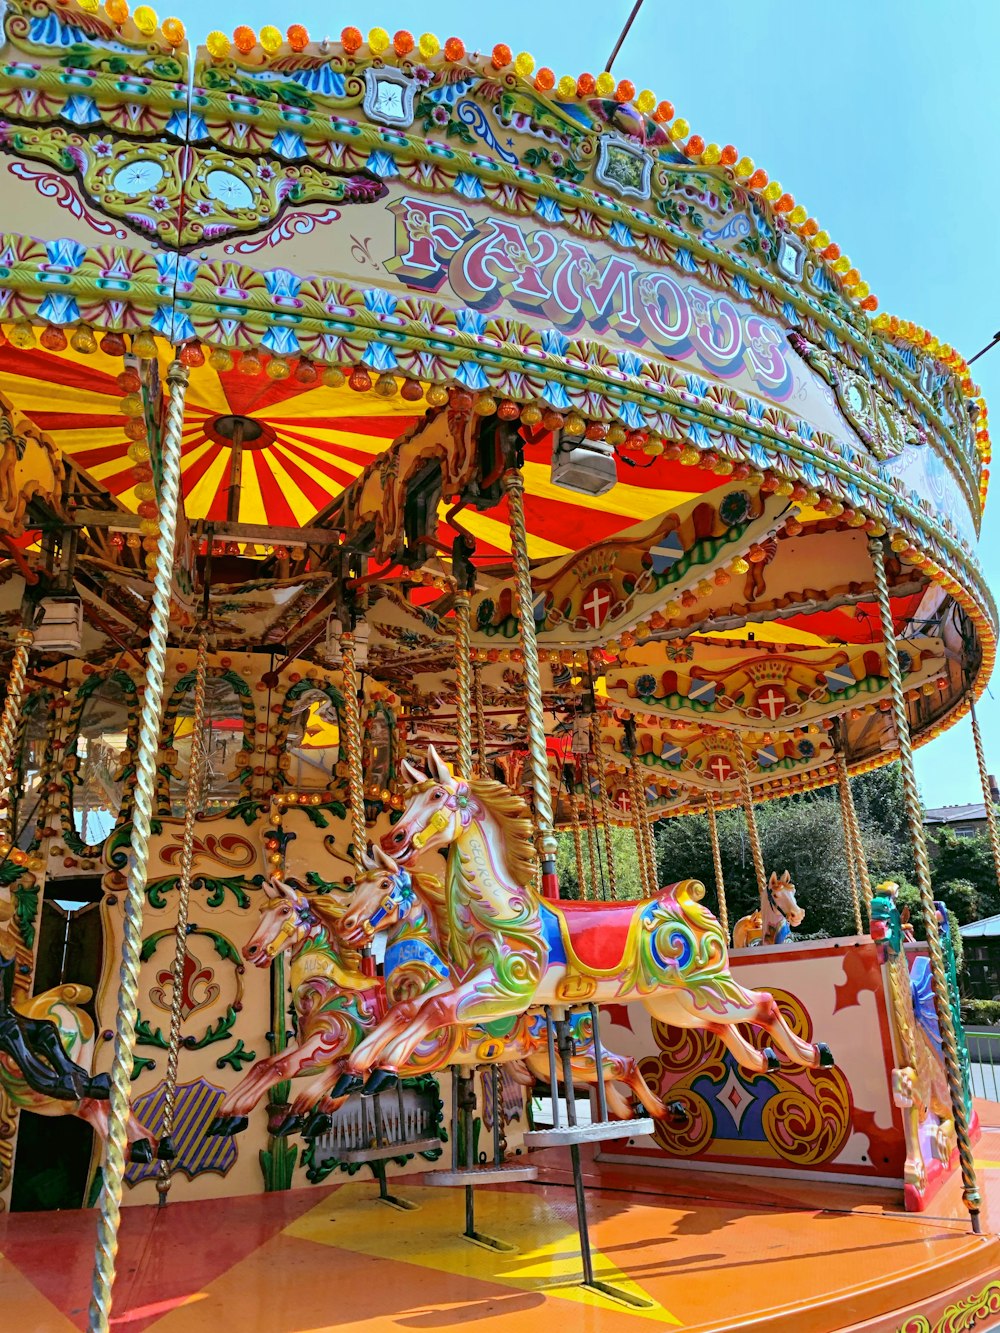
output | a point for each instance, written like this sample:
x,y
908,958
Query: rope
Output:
x,y
848,817
755,848
151,717
915,819
537,753
984,778
355,763
11,720
192,807
477,682
602,787
720,883
463,676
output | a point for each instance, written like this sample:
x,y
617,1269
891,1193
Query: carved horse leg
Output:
x,y
740,1006
274,1069
142,1144
584,1069
34,1045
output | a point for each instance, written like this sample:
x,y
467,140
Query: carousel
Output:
x,y
415,467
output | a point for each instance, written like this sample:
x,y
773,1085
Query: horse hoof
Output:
x,y
140,1151
99,1088
346,1084
224,1126
165,1150
678,1113
826,1060
290,1125
318,1123
773,1063
379,1080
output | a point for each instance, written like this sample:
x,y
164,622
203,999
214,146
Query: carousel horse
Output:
x,y
511,950
774,920
32,1049
335,1005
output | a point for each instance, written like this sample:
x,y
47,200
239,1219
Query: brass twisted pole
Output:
x,y
593,846
847,816
477,682
602,787
984,778
915,819
10,720
151,717
192,808
355,763
513,483
463,677
756,851
643,835
720,883
574,820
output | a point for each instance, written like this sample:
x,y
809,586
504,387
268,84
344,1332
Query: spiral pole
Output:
x,y
915,819
847,817
593,845
720,883
756,851
477,684
192,808
984,778
150,720
574,822
355,761
513,483
602,788
647,875
10,719
463,677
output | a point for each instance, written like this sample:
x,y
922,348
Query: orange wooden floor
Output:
x,y
705,1253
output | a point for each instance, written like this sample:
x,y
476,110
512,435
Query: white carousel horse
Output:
x,y
774,920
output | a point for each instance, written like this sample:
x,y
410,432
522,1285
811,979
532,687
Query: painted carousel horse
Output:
x,y
336,1006
774,920
510,950
59,1009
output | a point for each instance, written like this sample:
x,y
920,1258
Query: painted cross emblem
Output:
x,y
597,603
720,768
623,803
772,702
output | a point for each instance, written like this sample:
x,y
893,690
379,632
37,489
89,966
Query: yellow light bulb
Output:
x,y
605,84
524,64
646,101
711,155
378,41
429,45
798,215
680,129
566,87
146,20
744,168
270,39
218,45
772,191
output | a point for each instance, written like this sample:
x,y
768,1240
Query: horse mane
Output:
x,y
516,827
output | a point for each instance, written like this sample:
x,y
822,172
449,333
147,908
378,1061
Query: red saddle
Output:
x,y
598,932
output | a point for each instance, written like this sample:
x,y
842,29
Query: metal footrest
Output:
x,y
600,1132
378,1153
481,1175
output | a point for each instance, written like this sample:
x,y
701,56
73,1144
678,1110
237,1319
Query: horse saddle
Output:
x,y
593,938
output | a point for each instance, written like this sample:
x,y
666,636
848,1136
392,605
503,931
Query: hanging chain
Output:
x,y
602,787
150,720
915,818
984,778
9,723
537,754
477,683
463,677
720,883
192,808
847,814
355,762
593,845
756,850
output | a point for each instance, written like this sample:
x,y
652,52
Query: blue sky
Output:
x,y
879,116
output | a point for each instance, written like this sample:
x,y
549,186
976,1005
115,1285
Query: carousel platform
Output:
x,y
707,1254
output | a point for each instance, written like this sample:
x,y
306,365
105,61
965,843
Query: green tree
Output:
x,y
969,860
628,881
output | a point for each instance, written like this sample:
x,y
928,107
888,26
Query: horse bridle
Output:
x,y
303,916
399,898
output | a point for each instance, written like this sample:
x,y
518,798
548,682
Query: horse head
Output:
x,y
382,896
438,807
287,920
781,896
